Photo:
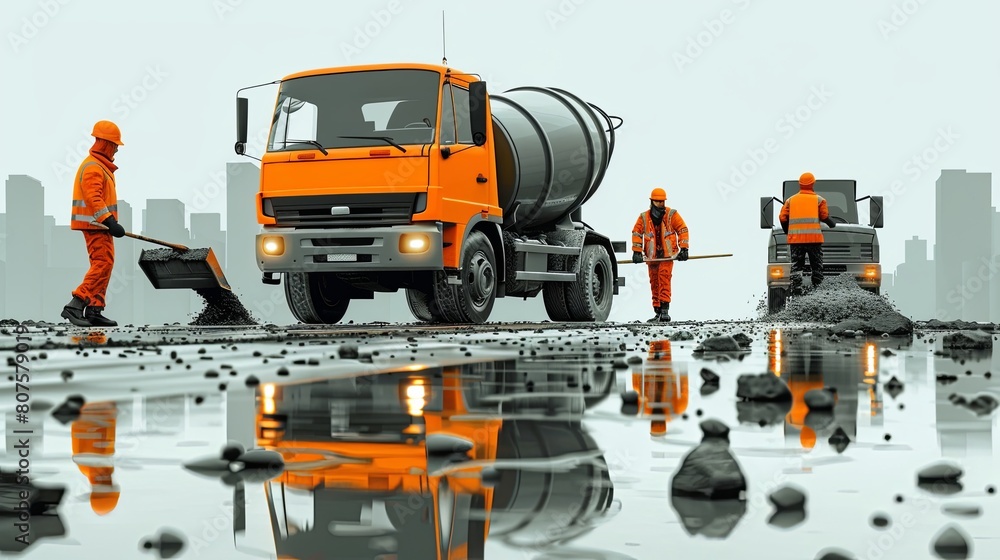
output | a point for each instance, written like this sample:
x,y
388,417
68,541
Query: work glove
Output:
x,y
636,257
112,224
831,223
683,255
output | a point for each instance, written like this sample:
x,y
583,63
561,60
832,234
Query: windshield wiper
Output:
x,y
383,138
310,142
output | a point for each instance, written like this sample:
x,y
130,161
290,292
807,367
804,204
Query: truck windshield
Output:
x,y
398,105
839,197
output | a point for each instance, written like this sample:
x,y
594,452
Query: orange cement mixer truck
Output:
x,y
384,177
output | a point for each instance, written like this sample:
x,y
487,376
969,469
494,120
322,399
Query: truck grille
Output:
x,y
834,252
377,209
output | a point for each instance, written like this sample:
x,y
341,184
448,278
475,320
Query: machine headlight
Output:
x,y
273,246
414,243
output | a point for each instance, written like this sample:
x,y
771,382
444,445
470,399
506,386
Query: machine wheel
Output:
x,y
420,304
776,298
554,294
472,300
589,298
315,297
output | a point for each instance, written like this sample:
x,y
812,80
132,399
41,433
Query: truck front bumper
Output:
x,y
398,248
867,275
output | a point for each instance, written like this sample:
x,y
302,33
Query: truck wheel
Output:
x,y
776,299
471,301
554,296
314,297
589,298
420,305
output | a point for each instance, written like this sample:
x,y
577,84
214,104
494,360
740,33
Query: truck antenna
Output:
x,y
444,56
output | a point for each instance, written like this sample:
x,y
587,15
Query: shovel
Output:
x,y
690,258
185,268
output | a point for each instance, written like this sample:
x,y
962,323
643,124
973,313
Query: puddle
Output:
x,y
537,444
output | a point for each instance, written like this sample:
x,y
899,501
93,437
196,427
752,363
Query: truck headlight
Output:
x,y
414,243
871,272
273,246
777,272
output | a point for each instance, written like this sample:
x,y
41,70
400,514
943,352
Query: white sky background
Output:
x,y
892,87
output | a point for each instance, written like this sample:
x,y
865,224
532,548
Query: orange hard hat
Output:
x,y
107,130
806,179
658,194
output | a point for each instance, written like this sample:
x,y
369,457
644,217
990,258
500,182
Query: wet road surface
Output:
x,y
531,443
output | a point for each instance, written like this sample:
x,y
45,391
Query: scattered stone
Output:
x,y
620,364
839,440
630,397
981,405
709,376
762,387
69,410
167,545
880,521
718,344
968,340
835,554
935,324
787,498
252,381
742,339
762,413
894,387
283,371
952,543
946,378
819,400
709,470
958,510
222,307
713,428
634,360
712,519
681,336
940,472
348,351
66,375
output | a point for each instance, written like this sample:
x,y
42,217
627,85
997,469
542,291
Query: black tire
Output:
x,y
776,298
554,294
472,300
590,297
420,304
315,297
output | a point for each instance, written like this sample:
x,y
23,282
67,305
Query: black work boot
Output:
x,y
656,316
73,312
93,314
664,312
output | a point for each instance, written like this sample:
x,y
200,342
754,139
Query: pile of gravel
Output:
x,y
222,307
838,298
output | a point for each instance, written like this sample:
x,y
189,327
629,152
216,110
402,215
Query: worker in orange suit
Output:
x,y
96,200
93,435
800,219
659,233
662,393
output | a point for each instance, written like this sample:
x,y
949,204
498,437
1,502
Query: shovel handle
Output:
x,y
173,246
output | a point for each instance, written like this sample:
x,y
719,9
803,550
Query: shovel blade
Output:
x,y
192,269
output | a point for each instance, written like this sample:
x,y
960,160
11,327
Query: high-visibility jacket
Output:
x,y
93,440
672,237
94,194
803,213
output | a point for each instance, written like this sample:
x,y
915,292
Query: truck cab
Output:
x,y
849,248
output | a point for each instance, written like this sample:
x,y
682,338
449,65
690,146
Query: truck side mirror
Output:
x,y
875,211
766,212
477,111
242,111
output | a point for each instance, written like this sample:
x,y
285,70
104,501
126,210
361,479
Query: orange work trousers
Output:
x,y
659,280
101,249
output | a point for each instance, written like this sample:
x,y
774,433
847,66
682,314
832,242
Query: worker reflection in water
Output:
x,y
662,393
659,233
95,199
800,219
93,436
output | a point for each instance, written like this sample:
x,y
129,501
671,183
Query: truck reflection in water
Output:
x,y
805,364
430,461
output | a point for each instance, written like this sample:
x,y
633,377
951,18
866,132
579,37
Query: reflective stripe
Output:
x,y
82,218
101,212
805,231
804,221
113,207
82,203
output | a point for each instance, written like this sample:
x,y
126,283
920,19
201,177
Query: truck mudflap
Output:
x,y
396,248
868,275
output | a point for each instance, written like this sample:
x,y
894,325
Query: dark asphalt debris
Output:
x,y
952,544
968,340
762,387
222,307
709,471
167,544
981,405
894,387
880,520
